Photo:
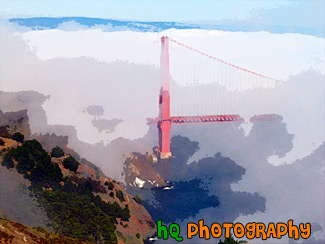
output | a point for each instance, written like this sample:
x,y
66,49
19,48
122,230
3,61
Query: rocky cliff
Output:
x,y
30,210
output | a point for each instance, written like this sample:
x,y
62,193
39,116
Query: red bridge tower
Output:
x,y
164,124
164,121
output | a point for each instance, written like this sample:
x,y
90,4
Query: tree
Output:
x,y
120,195
78,216
46,174
109,185
29,153
7,161
57,152
71,163
231,240
137,199
18,137
2,142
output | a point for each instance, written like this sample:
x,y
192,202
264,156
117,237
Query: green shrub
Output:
x,y
229,240
125,213
137,199
120,235
71,163
28,154
72,208
25,160
138,235
31,157
6,238
7,161
2,142
81,218
46,173
18,137
120,195
97,174
57,152
110,185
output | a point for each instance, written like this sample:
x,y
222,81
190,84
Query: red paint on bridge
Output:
x,y
164,121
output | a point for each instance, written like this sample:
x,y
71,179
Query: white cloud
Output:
x,y
275,55
90,82
79,68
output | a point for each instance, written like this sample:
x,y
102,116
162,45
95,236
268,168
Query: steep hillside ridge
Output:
x,y
87,194
16,233
140,221
14,192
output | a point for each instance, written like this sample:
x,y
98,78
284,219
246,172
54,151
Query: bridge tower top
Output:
x,y
164,62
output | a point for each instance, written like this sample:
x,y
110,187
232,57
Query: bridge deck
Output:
x,y
199,119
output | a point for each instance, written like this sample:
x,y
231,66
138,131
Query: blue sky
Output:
x,y
166,10
289,13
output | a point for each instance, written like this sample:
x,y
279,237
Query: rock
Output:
x,y
139,172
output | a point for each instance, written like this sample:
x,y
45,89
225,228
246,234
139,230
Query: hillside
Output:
x,y
13,232
78,201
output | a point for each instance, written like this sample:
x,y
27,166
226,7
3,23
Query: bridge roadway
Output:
x,y
215,119
198,119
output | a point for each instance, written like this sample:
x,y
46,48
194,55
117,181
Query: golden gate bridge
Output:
x,y
188,74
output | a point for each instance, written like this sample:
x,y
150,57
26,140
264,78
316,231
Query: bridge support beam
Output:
x,y
164,124
164,139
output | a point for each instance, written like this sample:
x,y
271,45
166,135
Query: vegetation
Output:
x,y
18,137
81,217
89,184
57,152
37,235
71,163
97,174
109,184
231,240
2,142
7,161
4,131
138,235
32,158
137,199
5,238
120,195
120,235
74,211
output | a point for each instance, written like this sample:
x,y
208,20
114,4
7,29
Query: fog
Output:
x,y
73,70
291,191
96,60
